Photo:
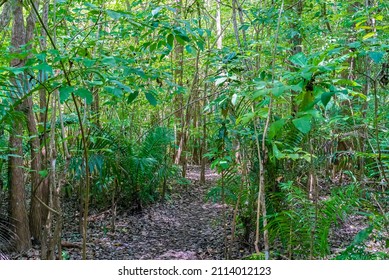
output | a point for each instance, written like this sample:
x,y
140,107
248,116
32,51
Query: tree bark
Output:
x,y
18,210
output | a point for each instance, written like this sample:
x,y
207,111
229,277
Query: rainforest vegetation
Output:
x,y
194,129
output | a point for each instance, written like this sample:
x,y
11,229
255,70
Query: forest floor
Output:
x,y
186,226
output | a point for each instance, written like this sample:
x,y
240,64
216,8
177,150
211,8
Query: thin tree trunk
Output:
x,y
18,211
219,31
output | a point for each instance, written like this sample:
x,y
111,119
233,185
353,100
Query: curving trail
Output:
x,y
186,227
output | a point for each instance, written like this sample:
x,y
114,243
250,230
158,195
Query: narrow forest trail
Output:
x,y
184,227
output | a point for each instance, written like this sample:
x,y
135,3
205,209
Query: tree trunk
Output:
x,y
18,210
219,33
36,210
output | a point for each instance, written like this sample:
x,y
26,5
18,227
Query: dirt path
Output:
x,y
185,227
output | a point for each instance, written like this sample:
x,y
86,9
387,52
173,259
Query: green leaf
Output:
x,y
376,56
115,91
278,90
298,88
246,118
88,62
379,17
43,173
299,59
113,14
275,128
200,45
234,99
303,124
263,113
244,27
369,35
362,235
189,49
355,45
109,61
326,97
150,97
224,164
156,11
220,80
277,153
122,86
132,96
85,94
306,74
170,40
64,93
43,67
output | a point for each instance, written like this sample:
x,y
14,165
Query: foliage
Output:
x,y
303,226
357,249
133,172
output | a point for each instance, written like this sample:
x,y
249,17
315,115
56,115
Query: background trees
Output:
x,y
286,99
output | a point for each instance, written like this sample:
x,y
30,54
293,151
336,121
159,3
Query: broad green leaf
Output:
x,y
87,4
224,164
200,45
275,128
246,118
170,40
298,88
278,90
150,97
345,82
244,26
109,61
294,156
85,94
263,113
362,235
376,56
41,56
121,86
326,97
43,67
94,83
114,14
306,74
88,62
355,45
15,70
132,96
308,101
277,153
43,173
358,94
64,93
189,49
299,59
115,91
303,124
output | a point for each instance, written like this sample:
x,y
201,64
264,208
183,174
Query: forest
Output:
x,y
194,129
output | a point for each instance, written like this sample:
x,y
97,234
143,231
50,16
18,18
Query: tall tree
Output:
x,y
18,211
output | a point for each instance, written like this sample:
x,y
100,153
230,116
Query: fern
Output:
x,y
113,157
299,224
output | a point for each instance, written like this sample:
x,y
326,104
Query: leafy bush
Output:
x,y
303,226
135,173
